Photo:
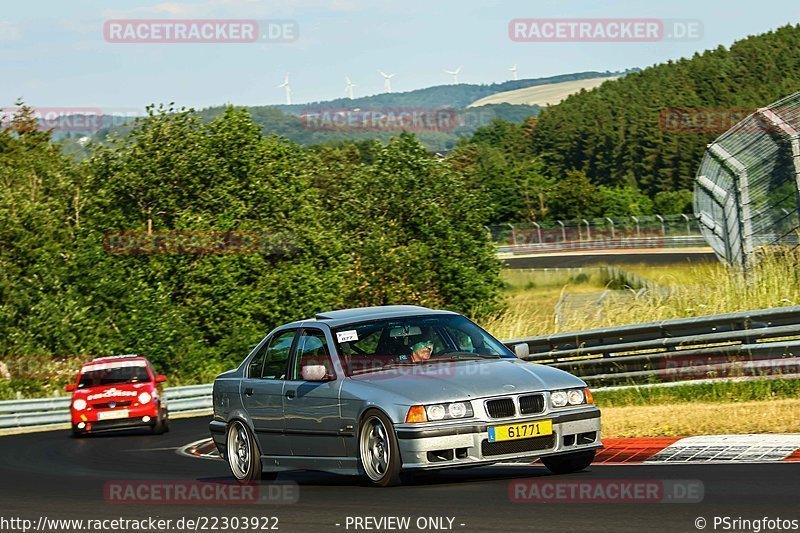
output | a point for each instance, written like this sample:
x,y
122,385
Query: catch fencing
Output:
x,y
656,231
747,189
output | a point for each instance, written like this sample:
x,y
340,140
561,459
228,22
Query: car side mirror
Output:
x,y
522,350
70,387
161,378
314,373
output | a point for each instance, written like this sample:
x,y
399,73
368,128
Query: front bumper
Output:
x,y
467,443
137,416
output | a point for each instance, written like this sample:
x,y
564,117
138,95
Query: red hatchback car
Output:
x,y
118,392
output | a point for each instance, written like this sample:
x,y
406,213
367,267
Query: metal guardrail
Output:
x,y
750,344
54,412
747,344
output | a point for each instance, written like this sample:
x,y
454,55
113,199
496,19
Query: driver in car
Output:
x,y
421,351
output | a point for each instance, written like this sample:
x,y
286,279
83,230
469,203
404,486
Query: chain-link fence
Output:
x,y
654,231
747,190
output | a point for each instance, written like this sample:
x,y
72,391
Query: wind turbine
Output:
x,y
454,73
348,90
387,80
514,71
288,89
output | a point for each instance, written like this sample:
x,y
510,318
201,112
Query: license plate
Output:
x,y
112,415
526,430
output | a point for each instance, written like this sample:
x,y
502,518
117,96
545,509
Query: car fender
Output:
x,y
242,416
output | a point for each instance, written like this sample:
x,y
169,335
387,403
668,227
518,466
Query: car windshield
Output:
x,y
100,374
379,344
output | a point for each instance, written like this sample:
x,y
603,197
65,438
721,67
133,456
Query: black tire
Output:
x,y
242,453
162,424
569,463
269,475
77,433
378,450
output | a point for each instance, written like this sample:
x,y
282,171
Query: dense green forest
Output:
x,y
615,134
336,227
615,151
338,221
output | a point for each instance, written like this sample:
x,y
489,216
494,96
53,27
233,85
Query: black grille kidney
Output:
x,y
500,408
530,405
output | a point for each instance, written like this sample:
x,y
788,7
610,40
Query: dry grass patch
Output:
x,y
682,419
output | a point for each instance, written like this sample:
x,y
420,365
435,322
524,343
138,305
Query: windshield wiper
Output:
x,y
462,356
378,368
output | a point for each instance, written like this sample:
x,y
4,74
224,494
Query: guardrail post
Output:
x,y
663,226
563,230
688,229
513,233
588,230
636,220
611,222
538,232
489,231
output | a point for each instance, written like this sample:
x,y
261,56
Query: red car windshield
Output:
x,y
108,374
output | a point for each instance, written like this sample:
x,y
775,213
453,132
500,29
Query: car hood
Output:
x,y
118,392
438,382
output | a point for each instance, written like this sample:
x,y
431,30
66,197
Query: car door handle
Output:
x,y
248,391
291,394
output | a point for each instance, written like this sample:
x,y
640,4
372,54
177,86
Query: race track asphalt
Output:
x,y
51,474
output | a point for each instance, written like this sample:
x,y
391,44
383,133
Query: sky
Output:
x,y
54,53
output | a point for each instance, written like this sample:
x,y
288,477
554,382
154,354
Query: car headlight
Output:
x,y
436,412
145,397
439,411
562,398
457,410
79,404
558,398
575,397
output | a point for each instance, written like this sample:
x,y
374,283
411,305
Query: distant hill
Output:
x,y
452,96
542,95
287,120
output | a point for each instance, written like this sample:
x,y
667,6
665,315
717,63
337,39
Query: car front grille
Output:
x,y
531,405
517,446
107,405
500,408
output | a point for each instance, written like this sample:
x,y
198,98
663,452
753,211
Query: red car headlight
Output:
x,y
79,404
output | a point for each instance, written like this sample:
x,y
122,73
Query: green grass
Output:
x,y
723,391
697,290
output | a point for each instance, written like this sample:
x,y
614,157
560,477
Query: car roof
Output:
x,y
116,358
343,317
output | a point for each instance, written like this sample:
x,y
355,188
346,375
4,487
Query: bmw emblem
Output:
x,y
112,405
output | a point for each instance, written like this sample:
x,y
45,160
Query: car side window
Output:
x,y
312,350
257,362
277,356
